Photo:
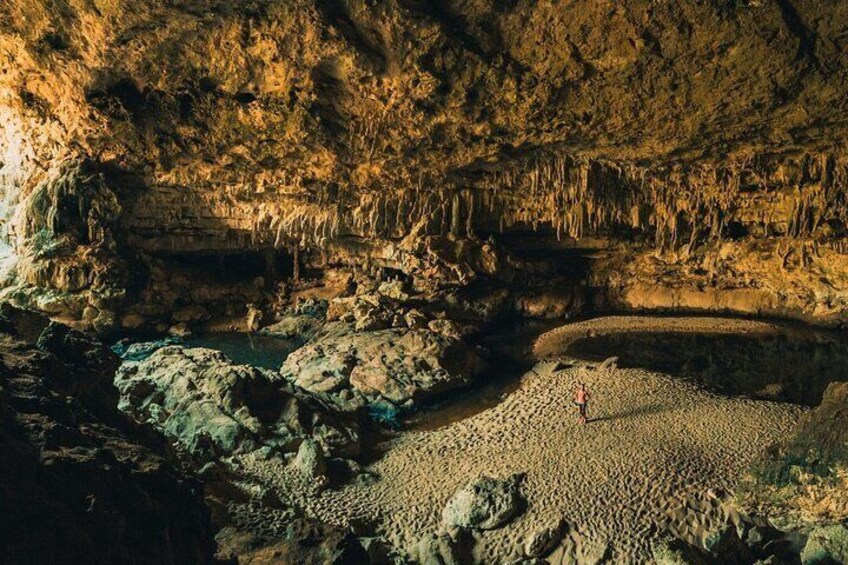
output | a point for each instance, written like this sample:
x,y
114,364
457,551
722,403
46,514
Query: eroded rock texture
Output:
x,y
707,136
399,366
78,486
213,408
802,482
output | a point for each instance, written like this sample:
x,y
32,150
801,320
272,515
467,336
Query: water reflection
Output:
x,y
247,349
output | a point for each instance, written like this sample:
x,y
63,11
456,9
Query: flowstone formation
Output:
x,y
702,141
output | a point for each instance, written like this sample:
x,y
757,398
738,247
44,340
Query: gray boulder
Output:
x,y
484,504
310,461
210,407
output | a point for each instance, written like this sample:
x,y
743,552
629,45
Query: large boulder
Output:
x,y
76,488
826,546
399,366
211,407
484,504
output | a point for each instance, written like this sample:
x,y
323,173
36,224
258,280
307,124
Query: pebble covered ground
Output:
x,y
658,454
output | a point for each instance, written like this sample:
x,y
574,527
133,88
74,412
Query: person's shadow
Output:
x,y
630,413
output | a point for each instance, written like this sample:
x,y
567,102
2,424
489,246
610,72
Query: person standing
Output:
x,y
581,399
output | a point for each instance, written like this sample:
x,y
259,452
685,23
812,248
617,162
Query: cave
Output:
x,y
402,282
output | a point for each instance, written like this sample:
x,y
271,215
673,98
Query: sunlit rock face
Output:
x,y
708,137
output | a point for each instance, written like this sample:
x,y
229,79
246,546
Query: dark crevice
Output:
x,y
120,99
336,13
245,97
452,24
330,107
795,25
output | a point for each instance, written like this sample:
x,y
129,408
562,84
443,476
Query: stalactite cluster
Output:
x,y
676,205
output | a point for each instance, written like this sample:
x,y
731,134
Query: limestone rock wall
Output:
x,y
158,127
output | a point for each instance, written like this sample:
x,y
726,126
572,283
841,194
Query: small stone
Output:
x,y
132,321
393,289
415,319
542,542
179,330
310,461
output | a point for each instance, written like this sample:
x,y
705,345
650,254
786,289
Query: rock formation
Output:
x,y
484,504
212,408
707,137
78,485
381,182
399,366
801,483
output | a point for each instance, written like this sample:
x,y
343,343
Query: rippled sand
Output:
x,y
659,454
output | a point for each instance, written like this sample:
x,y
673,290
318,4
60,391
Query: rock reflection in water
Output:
x,y
246,348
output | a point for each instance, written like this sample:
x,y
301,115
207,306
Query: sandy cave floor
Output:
x,y
660,454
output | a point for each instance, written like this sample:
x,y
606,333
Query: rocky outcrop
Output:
x,y
802,481
68,262
304,541
399,366
826,545
76,487
301,322
484,504
211,407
